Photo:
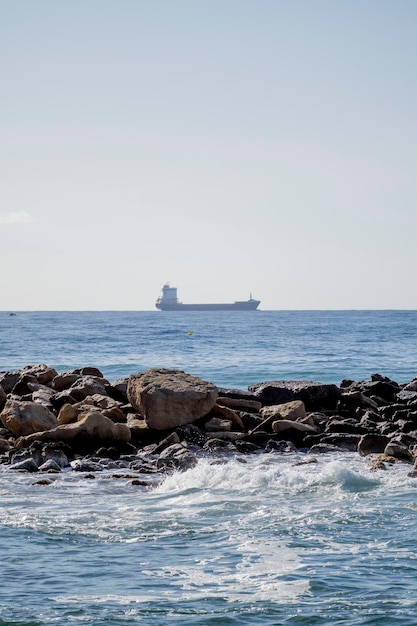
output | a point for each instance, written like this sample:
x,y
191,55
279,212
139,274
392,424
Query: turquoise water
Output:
x,y
245,540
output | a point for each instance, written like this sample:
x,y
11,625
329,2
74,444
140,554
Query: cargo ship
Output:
x,y
169,302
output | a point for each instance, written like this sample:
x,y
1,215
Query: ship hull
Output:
x,y
248,305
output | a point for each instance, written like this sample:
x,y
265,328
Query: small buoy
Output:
x,y
190,334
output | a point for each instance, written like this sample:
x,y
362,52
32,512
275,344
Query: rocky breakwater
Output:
x,y
162,420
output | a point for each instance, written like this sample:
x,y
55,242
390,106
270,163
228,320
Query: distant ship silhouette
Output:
x,y
169,302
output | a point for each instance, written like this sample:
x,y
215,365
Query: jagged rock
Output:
x,y
24,418
88,434
8,380
88,371
168,398
63,381
43,373
88,386
286,411
316,396
176,457
22,388
372,444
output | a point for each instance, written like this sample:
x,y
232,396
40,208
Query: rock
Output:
x,y
29,465
4,445
68,414
173,438
398,451
3,397
50,466
316,396
88,371
88,434
8,380
372,444
281,426
169,398
63,381
176,457
88,386
53,452
22,388
216,424
284,447
24,418
240,404
226,413
43,374
286,411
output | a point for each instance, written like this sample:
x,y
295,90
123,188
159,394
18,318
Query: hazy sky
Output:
x,y
224,146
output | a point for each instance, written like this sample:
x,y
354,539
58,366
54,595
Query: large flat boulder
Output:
x,y
91,432
316,396
168,398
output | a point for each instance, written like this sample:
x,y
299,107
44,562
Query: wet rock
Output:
x,y
50,466
372,444
398,451
283,447
25,418
85,465
29,465
169,398
176,457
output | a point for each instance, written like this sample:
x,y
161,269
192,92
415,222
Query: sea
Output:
x,y
258,539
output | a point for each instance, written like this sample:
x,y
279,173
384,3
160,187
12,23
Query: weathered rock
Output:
x,y
216,424
88,434
8,380
68,413
50,466
226,413
316,396
286,411
168,398
24,418
22,388
289,426
372,444
176,457
398,451
88,386
63,381
43,373
240,404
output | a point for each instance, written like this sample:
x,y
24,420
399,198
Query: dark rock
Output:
x,y
8,380
176,457
316,396
372,444
29,465
246,447
283,447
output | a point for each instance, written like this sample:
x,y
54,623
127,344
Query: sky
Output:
x,y
227,147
